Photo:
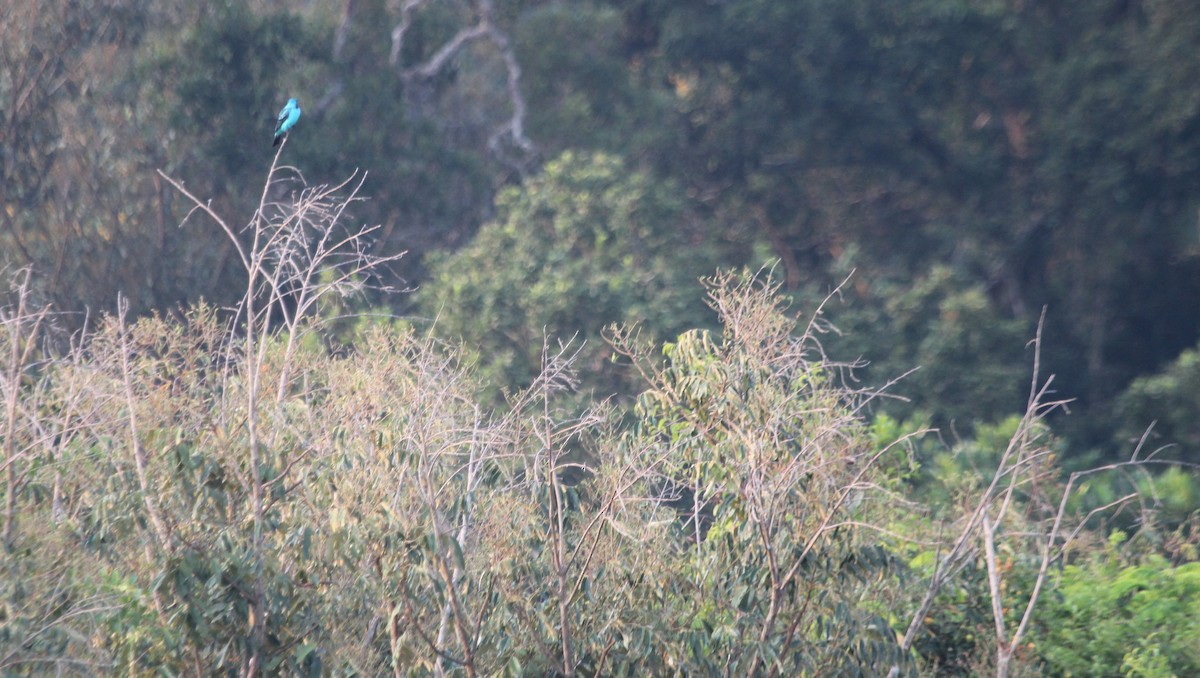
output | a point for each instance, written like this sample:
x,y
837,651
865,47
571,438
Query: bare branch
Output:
x,y
135,443
485,28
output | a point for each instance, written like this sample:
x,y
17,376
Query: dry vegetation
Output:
x,y
217,493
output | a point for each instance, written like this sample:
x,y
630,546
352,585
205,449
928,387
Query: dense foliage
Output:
x,y
741,517
1137,620
229,447
990,157
582,246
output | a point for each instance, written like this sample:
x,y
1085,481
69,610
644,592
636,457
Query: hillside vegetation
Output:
x,y
617,337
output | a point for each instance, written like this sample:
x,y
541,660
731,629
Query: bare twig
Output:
x,y
161,532
23,328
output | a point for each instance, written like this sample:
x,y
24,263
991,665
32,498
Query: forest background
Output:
x,y
932,184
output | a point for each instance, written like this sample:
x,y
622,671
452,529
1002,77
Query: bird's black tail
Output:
x,y
278,138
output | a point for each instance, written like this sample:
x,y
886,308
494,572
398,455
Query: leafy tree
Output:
x,y
961,357
583,93
1114,620
585,244
773,476
1167,402
1020,143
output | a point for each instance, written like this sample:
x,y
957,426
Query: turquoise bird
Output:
x,y
287,119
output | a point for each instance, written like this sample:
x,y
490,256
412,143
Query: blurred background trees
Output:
x,y
586,244
1025,155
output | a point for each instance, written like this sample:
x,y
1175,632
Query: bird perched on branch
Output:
x,y
287,119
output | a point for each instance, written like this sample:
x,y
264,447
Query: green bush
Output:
x,y
1108,620
1167,402
585,244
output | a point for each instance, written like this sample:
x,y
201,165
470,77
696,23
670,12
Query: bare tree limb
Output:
x,y
485,28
